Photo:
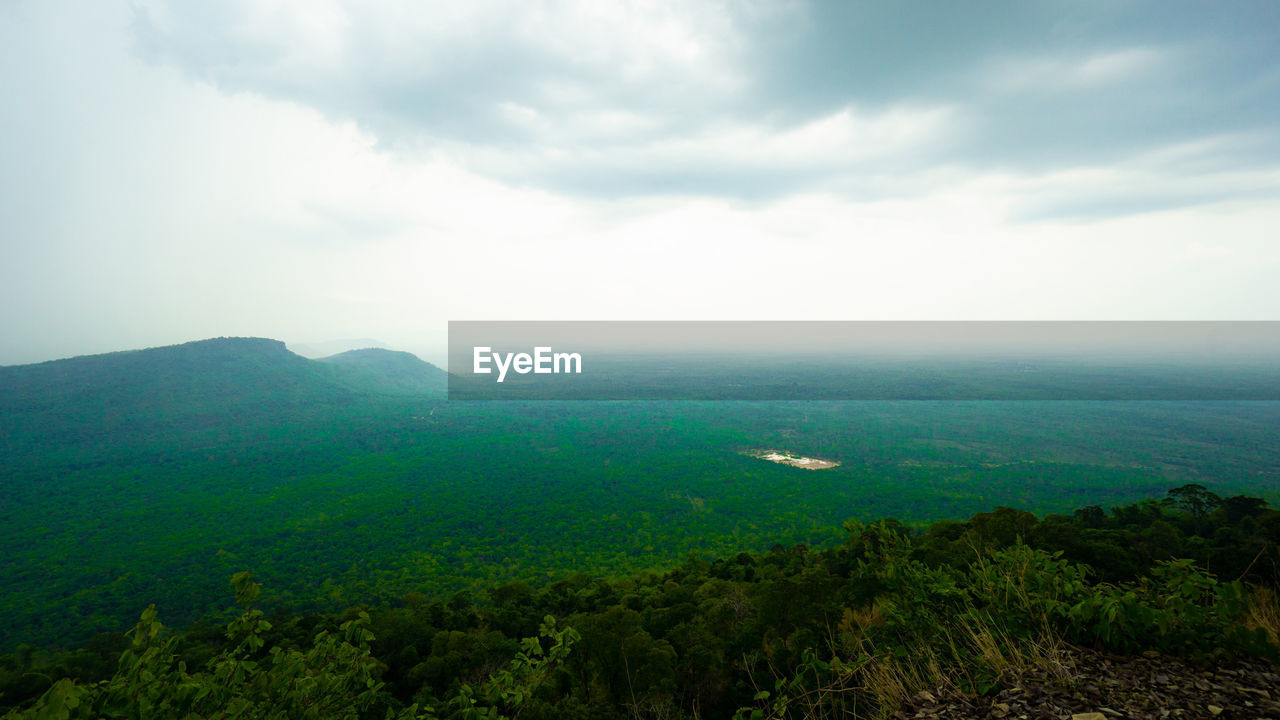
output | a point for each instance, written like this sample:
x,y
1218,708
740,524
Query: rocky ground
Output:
x,y
1088,685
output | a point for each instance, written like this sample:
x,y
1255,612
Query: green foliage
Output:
x,y
512,689
148,476
347,497
786,633
458,528
336,678
1179,608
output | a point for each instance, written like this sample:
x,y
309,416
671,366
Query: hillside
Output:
x,y
198,394
1002,615
389,371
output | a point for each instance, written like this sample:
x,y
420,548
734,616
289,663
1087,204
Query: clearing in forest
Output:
x,y
785,458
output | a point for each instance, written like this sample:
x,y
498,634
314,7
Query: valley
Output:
x,y
354,480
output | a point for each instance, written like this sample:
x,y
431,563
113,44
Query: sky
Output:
x,y
327,169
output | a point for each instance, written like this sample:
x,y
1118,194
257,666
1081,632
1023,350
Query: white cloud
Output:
x,y
1138,186
370,59
145,205
1116,66
1040,73
848,142
836,141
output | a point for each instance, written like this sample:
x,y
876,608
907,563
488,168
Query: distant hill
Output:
x,y
317,350
389,371
203,392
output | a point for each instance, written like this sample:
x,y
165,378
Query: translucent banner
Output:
x,y
811,360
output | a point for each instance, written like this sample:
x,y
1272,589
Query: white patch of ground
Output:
x,y
786,458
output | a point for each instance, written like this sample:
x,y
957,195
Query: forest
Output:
x,y
848,629
507,549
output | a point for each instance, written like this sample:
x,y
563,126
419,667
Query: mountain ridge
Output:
x,y
205,391
394,371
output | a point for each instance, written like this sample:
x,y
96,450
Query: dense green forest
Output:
x,y
503,552
850,629
151,476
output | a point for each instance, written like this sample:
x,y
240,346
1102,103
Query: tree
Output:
x,y
1194,499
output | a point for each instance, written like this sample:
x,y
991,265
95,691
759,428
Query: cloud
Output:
x,y
745,100
337,169
455,69
1059,74
1202,173
739,159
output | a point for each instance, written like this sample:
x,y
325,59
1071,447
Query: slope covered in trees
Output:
x,y
200,394
389,371
851,629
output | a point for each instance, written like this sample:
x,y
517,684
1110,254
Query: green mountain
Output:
x,y
191,395
389,371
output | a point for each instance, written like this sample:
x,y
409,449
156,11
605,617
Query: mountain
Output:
x,y
389,371
202,393
317,350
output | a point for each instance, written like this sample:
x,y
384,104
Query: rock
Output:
x,y
1116,687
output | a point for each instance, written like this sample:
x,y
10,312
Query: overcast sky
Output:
x,y
318,170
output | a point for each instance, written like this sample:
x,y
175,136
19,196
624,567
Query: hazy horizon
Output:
x,y
1196,342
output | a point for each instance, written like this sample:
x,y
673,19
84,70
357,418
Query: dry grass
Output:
x,y
862,618
881,682
994,649
1264,613
1006,656
890,681
966,652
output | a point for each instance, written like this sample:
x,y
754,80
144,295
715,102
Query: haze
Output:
x,y
319,171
